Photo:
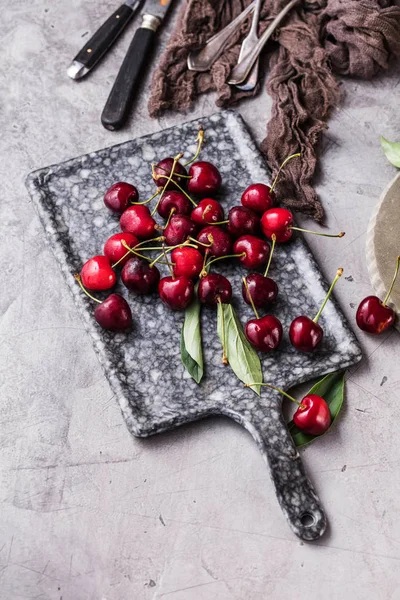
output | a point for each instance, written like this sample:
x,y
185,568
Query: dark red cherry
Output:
x,y
243,221
115,251
213,287
305,334
138,221
97,274
256,251
187,261
179,228
258,197
205,179
277,221
373,316
163,168
138,276
174,199
176,292
114,314
313,415
207,211
263,290
264,334
119,195
220,240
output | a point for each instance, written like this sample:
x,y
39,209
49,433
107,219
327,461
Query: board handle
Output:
x,y
295,492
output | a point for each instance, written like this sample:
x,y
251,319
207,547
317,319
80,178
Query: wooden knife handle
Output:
x,y
105,36
118,105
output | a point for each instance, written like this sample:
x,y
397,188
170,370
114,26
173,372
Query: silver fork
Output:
x,y
248,44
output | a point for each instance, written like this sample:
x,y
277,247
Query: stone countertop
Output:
x,y
87,511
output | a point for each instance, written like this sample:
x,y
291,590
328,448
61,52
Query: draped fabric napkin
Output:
x,y
318,40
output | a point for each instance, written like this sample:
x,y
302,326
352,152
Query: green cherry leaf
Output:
x,y
331,388
242,357
191,346
392,151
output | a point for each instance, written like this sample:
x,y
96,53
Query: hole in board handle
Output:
x,y
307,520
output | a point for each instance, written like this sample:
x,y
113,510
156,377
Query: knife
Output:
x,y
102,40
118,105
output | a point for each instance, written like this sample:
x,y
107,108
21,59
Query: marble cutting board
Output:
x,y
154,391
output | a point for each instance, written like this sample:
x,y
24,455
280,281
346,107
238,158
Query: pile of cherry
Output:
x,y
194,237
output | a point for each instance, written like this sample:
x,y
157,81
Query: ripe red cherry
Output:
x,y
179,229
176,292
119,195
220,240
187,261
279,222
205,179
114,314
263,290
97,274
373,316
174,199
304,334
138,221
115,251
164,168
256,251
138,276
207,211
313,415
214,287
258,197
264,333
243,221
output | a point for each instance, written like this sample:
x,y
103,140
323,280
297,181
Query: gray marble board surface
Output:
x,y
154,391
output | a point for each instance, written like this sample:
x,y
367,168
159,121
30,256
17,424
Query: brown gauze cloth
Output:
x,y
317,40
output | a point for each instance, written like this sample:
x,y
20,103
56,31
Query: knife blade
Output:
x,y
119,102
102,40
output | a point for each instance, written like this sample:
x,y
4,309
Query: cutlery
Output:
x,y
248,44
102,40
241,71
203,59
119,102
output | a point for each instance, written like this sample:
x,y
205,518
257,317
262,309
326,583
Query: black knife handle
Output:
x,y
105,36
117,107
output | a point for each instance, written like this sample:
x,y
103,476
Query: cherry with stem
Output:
x,y
375,316
306,334
264,333
312,415
113,313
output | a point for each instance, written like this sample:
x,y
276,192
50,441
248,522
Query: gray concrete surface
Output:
x,y
88,512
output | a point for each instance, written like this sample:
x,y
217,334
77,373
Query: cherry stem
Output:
x,y
132,251
224,357
250,297
149,199
201,243
160,238
203,271
273,238
393,281
226,256
281,167
338,275
185,193
78,278
168,263
219,222
169,217
331,235
272,387
200,140
186,244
